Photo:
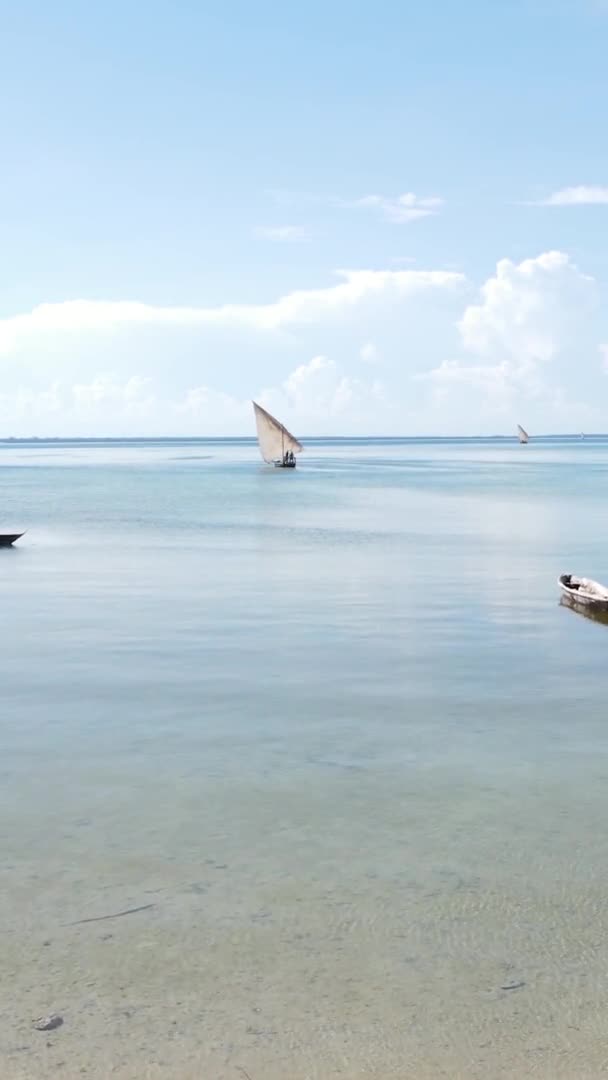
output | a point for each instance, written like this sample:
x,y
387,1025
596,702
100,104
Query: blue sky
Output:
x,y
175,173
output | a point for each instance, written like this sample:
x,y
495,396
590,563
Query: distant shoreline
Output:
x,y
309,439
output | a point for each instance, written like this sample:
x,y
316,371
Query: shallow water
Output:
x,y
335,727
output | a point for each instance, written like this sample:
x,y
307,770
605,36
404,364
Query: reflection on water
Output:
x,y
331,744
593,612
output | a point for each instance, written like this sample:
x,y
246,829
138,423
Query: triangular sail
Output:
x,y
522,434
274,439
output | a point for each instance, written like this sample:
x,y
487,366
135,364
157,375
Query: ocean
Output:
x,y
304,775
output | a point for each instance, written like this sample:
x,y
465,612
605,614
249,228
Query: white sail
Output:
x,y
274,439
521,434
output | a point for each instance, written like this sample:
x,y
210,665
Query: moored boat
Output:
x,y
584,591
278,446
8,539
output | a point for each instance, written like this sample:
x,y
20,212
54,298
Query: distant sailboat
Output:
x,y
277,445
522,435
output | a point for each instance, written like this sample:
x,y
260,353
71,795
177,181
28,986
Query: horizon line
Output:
x,y
5,439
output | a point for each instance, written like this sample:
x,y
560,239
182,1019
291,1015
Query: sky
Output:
x,y
373,219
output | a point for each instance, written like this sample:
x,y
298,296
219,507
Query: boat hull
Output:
x,y
584,592
8,539
284,464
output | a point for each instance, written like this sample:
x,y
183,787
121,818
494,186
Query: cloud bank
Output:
x,y
373,352
302,306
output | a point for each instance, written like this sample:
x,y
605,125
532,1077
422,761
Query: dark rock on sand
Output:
x,y
48,1023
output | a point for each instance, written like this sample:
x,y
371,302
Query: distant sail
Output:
x,y
521,434
274,439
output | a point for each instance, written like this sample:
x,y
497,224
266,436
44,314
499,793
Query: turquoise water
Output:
x,y
336,729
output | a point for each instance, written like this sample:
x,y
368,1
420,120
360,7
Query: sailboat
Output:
x,y
522,435
277,445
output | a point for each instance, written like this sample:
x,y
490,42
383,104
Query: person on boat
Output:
x,y
292,460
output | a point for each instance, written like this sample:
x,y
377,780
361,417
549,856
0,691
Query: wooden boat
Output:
x,y
277,445
522,434
8,539
584,591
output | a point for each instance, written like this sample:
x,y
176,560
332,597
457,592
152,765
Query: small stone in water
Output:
x,y
48,1023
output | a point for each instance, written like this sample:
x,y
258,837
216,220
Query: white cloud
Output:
x,y
526,309
488,387
64,409
400,210
26,404
578,196
529,316
316,397
212,411
130,398
524,347
282,234
302,306
319,398
369,353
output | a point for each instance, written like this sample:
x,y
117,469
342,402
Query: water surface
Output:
x,y
335,728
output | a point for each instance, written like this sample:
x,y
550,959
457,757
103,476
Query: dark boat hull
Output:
x,y
284,464
8,539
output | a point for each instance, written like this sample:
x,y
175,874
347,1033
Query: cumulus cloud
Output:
x,y
26,404
105,389
114,404
451,360
203,408
400,210
578,196
527,308
282,234
528,316
318,397
306,305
